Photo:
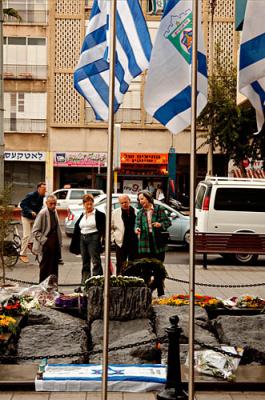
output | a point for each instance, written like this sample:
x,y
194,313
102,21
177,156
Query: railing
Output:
x,y
25,125
25,71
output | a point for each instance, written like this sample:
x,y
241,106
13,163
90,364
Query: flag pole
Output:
x,y
109,199
192,194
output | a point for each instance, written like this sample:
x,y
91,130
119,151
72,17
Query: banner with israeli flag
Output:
x,y
252,58
88,377
168,87
133,50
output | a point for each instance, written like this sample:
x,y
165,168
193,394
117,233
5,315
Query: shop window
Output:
x,y
156,7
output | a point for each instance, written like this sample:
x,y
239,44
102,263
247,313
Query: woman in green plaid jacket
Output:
x,y
150,221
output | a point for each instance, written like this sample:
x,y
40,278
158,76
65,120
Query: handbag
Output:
x,y
162,236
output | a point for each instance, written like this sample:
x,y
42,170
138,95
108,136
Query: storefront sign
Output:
x,y
132,186
76,159
25,156
144,158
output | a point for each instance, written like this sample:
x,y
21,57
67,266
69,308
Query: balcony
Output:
x,y
25,125
31,17
11,71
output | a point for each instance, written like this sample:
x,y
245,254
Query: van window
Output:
x,y
76,194
61,194
240,199
199,196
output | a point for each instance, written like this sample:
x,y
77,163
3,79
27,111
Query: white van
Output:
x,y
73,196
231,205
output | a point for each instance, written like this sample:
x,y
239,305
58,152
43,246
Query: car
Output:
x,y
73,196
179,231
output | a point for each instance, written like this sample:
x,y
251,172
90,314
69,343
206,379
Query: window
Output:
x,y
156,7
199,197
31,11
76,194
240,199
25,112
61,195
25,57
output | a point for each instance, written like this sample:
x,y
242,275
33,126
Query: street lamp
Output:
x,y
212,5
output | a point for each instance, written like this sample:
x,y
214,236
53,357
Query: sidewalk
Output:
x,y
70,274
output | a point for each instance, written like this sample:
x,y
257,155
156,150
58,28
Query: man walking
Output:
x,y
122,232
47,239
30,207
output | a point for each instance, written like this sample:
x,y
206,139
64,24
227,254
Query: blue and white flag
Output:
x,y
252,58
168,86
133,50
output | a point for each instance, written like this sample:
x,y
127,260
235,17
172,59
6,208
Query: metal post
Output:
x,y
2,137
212,4
173,389
192,193
109,199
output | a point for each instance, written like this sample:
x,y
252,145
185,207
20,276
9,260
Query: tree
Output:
x,y
233,126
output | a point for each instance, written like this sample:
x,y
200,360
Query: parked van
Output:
x,y
73,196
231,205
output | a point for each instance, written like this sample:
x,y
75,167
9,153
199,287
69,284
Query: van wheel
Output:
x,y
247,259
187,239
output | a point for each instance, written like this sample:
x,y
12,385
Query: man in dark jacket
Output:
x,y
30,207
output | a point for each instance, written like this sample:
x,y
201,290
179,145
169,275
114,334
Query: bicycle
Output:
x,y
12,245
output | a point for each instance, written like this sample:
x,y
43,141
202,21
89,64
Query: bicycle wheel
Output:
x,y
11,253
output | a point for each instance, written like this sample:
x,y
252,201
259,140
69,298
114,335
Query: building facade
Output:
x,y
50,131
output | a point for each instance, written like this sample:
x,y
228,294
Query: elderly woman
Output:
x,y
150,221
88,233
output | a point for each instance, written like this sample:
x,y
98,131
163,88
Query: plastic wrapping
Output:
x,y
218,364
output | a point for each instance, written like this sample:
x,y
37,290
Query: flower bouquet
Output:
x,y
12,307
220,364
208,302
247,301
7,324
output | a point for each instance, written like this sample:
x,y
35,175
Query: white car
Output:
x,y
73,196
179,231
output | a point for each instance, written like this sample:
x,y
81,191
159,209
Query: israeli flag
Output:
x,y
252,58
168,87
133,50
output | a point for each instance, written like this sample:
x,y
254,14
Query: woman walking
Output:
x,y
88,233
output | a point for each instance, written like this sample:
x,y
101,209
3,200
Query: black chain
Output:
x,y
36,283
168,277
217,285
85,353
127,346
217,349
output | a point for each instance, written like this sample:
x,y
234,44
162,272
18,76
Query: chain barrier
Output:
x,y
161,339
36,283
85,353
217,285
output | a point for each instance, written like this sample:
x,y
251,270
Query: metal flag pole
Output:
x,y
192,193
109,199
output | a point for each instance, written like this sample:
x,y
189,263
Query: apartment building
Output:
x,y
50,131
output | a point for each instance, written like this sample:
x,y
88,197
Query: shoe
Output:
x,y
24,259
163,296
78,290
61,261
